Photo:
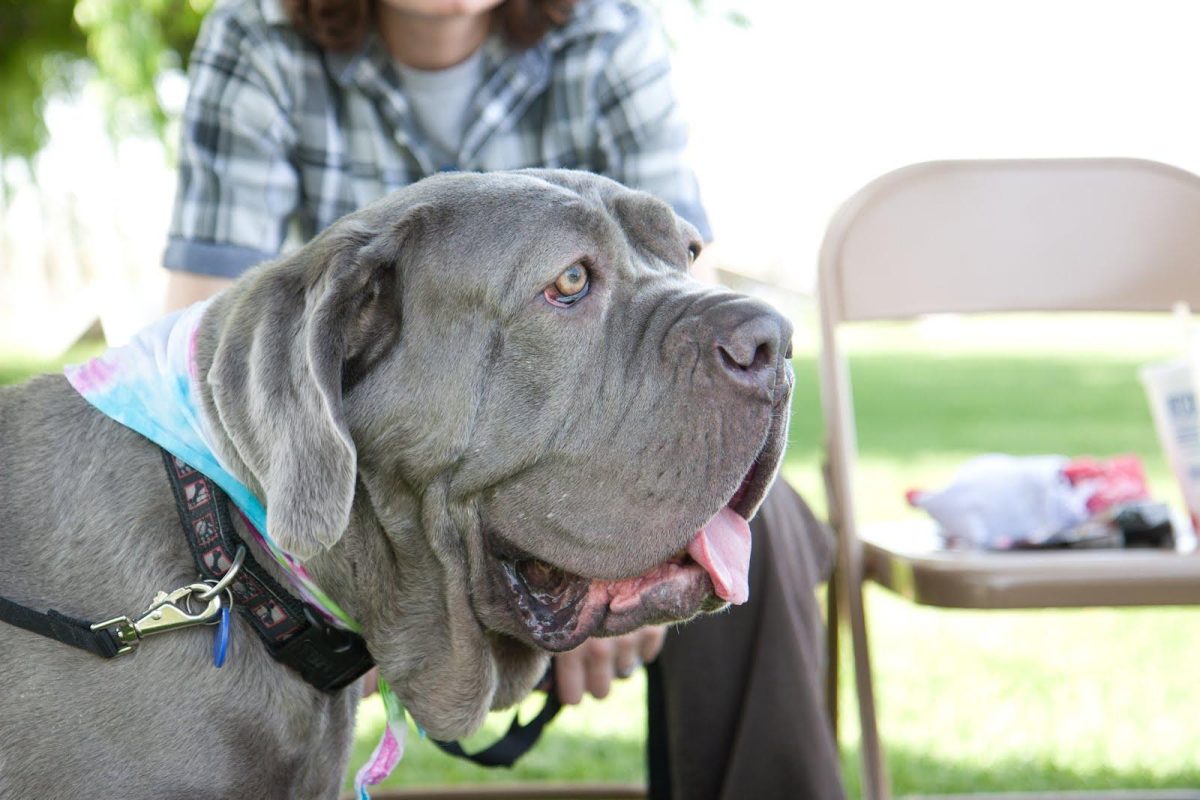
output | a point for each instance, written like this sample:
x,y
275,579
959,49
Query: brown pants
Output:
x,y
736,700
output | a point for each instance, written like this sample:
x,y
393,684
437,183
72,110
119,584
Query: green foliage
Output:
x,y
131,42
54,46
39,43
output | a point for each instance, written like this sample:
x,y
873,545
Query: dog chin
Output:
x,y
556,609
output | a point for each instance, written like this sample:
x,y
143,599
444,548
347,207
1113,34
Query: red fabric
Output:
x,y
1112,481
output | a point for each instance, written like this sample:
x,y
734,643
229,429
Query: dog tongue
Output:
x,y
722,547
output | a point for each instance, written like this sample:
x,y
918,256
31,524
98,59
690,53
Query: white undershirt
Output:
x,y
440,100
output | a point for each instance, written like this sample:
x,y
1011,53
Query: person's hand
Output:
x,y
592,666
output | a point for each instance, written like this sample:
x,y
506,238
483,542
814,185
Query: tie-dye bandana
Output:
x,y
150,386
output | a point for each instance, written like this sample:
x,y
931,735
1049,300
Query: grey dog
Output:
x,y
444,439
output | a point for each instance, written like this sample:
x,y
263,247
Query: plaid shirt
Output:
x,y
277,133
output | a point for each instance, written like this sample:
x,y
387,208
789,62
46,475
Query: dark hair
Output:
x,y
343,24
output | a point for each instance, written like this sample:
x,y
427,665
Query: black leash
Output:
x,y
518,739
54,625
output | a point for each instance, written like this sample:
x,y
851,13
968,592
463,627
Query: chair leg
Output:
x,y
875,779
847,583
833,628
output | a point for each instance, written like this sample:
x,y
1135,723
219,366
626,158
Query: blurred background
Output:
x,y
794,106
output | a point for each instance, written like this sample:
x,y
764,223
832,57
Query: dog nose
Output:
x,y
751,341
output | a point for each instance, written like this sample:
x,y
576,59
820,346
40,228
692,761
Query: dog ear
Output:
x,y
292,338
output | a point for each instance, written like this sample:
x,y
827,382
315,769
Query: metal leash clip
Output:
x,y
167,612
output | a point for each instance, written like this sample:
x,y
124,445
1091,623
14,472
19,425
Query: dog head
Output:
x,y
505,394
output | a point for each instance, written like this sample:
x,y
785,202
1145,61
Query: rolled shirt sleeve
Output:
x,y
238,187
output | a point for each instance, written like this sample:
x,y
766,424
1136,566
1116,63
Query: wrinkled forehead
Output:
x,y
648,224
517,225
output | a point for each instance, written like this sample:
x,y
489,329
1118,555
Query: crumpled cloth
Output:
x,y
997,501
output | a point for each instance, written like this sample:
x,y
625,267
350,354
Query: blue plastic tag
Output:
x,y
221,640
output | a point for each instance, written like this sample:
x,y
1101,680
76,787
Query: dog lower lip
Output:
x,y
546,583
547,599
558,609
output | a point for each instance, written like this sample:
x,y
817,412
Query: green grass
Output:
x,y
921,416
976,701
969,701
595,741
1088,699
14,369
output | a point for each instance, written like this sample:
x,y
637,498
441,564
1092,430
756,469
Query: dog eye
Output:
x,y
573,281
693,252
570,287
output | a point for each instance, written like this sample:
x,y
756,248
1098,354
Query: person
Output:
x,y
301,111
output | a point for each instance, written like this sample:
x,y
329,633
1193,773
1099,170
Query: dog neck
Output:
x,y
398,563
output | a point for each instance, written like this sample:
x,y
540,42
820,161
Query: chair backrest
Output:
x,y
997,236
1055,234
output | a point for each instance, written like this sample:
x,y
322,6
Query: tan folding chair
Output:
x,y
996,236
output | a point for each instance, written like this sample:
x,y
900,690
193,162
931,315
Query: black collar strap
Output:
x,y
293,632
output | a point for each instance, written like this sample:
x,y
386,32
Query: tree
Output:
x,y
56,46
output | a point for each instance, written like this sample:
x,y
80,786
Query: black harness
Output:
x,y
294,633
